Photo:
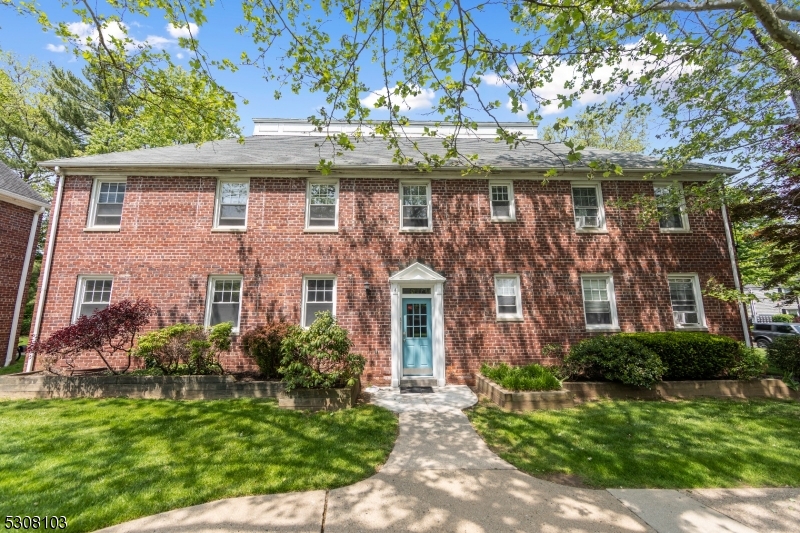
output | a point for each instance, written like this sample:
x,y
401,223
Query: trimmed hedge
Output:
x,y
691,355
615,358
784,354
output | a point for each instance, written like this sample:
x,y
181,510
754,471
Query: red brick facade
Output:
x,y
165,251
15,229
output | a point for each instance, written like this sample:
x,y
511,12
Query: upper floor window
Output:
x,y
501,195
599,304
224,300
319,294
230,211
415,206
671,207
587,204
322,205
508,297
687,304
93,294
108,195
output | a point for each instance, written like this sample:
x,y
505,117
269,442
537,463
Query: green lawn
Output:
x,y
685,444
16,366
101,462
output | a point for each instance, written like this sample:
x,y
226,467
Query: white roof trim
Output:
x,y
417,272
23,201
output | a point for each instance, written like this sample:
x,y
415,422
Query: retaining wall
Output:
x,y
27,386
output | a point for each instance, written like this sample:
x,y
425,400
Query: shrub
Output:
x,y
521,378
319,357
185,349
264,345
782,318
691,355
108,332
783,353
751,363
615,358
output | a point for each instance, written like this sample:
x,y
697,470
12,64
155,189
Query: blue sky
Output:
x,y
23,36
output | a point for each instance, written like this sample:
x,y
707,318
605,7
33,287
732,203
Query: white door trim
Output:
x,y
418,276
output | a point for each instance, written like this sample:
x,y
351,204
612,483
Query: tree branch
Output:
x,y
781,12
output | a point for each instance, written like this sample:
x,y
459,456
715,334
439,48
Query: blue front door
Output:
x,y
417,347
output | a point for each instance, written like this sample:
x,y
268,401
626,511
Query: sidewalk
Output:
x,y
442,477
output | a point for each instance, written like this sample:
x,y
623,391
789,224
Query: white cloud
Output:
x,y
424,98
85,32
179,55
183,31
156,41
57,48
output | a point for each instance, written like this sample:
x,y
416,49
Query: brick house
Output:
x,y
432,273
20,220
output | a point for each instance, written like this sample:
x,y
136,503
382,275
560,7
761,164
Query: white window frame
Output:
x,y
305,292
612,297
512,208
698,298
321,229
97,182
601,211
684,214
218,205
210,297
508,317
408,183
79,290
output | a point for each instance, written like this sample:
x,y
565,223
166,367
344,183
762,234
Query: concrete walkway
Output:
x,y
442,477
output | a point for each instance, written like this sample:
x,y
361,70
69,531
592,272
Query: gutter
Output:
x,y
735,270
22,287
46,266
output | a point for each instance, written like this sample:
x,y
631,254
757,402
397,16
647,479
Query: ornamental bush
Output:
x,y
521,378
783,353
691,355
319,357
109,332
783,318
751,363
615,358
185,349
264,345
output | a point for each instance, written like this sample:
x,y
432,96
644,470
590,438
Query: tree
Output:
x,y
602,127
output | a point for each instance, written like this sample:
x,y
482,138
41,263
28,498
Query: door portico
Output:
x,y
421,277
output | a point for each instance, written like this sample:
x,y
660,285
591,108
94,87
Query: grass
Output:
x,y
684,444
16,366
101,462
521,378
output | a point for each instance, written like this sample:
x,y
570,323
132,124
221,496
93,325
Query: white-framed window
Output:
x,y
319,294
230,207
508,297
599,302
587,205
686,300
415,206
322,205
501,197
92,294
671,206
108,196
224,300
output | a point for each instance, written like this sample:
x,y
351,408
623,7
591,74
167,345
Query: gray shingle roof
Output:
x,y
11,182
305,152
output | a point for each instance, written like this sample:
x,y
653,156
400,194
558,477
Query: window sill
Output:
x,y
510,319
604,329
414,230
228,230
503,219
601,231
102,229
691,328
663,230
321,230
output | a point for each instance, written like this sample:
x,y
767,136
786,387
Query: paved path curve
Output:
x,y
441,477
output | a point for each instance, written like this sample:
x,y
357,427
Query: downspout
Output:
x,y
46,265
735,271
22,286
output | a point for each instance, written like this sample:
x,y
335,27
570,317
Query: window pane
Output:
x,y
313,308
596,302
225,301
322,215
232,215
322,194
91,308
684,303
96,295
670,216
234,193
108,211
225,312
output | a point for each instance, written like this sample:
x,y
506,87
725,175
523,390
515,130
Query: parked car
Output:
x,y
764,333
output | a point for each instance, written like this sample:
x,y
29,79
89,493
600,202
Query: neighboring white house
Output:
x,y
763,307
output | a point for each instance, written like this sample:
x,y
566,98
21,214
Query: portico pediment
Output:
x,y
417,272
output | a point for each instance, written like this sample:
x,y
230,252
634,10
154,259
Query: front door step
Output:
x,y
418,382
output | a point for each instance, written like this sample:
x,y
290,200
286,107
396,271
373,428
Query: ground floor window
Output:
x,y
224,301
319,295
684,293
599,306
93,294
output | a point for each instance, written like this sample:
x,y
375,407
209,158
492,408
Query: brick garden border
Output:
x,y
319,399
30,386
578,392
